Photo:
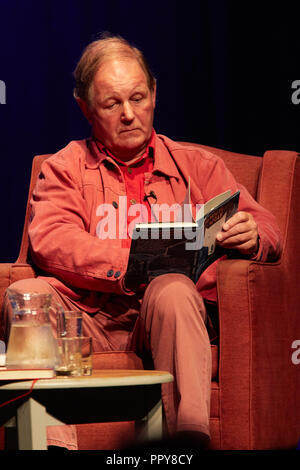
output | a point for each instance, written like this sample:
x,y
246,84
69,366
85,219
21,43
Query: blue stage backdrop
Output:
x,y
227,72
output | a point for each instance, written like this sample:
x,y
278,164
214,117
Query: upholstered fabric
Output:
x,y
11,272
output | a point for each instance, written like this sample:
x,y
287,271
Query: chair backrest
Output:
x,y
35,170
245,168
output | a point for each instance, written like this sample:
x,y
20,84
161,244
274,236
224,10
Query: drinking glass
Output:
x,y
69,323
68,357
86,355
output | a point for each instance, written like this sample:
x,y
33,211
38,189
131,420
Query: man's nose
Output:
x,y
127,113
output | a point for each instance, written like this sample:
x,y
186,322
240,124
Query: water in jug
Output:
x,y
31,343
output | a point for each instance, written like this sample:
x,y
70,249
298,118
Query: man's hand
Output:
x,y
239,233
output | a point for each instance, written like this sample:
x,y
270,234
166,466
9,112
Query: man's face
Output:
x,y
122,108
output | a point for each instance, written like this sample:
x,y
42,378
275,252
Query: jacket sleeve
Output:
x,y
59,238
219,179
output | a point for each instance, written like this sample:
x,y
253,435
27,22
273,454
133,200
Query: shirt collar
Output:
x,y
149,151
163,161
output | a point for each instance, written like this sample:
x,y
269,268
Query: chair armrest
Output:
x,y
259,320
12,272
21,271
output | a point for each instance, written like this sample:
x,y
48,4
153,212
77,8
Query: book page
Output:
x,y
212,203
164,225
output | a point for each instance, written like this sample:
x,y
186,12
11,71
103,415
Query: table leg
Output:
x,y
152,424
31,422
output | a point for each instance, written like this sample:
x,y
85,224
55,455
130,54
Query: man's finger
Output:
x,y
237,218
237,240
247,247
235,230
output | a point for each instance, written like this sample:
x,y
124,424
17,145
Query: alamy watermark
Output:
x,y
296,354
296,94
2,92
121,224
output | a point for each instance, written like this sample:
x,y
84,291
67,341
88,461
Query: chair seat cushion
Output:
x,y
117,360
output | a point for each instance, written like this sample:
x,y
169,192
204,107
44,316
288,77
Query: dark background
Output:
x,y
224,70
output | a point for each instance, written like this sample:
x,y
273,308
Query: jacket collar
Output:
x,y
163,160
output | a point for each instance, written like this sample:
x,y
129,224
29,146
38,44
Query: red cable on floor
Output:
x,y
20,396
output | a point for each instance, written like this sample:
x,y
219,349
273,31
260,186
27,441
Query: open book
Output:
x,y
187,246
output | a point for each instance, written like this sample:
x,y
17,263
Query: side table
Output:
x,y
105,396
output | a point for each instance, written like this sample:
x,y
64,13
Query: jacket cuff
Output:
x,y
124,288
257,256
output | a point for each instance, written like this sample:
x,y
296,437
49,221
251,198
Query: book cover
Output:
x,y
179,247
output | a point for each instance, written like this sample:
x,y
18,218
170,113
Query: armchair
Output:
x,y
255,401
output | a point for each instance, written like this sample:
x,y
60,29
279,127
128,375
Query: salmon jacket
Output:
x,y
76,183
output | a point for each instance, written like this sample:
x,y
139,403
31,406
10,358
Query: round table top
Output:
x,y
99,378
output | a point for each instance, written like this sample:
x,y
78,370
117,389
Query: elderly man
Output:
x,y
85,270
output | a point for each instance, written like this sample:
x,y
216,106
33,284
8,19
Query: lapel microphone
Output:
x,y
151,194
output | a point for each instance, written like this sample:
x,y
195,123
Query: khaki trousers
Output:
x,y
166,325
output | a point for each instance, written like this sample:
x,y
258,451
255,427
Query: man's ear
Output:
x,y
85,108
154,95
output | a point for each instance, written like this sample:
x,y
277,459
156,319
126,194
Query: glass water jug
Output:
x,y
31,343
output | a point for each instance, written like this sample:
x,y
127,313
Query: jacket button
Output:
x,y
110,273
115,204
117,274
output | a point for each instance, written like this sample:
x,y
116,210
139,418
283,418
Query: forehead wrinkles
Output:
x,y
119,77
118,89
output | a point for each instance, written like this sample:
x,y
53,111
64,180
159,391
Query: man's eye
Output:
x,y
110,104
137,98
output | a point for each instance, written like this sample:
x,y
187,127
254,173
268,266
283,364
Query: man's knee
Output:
x,y
31,285
172,294
170,286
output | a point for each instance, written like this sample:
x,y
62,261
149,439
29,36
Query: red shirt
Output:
x,y
138,210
